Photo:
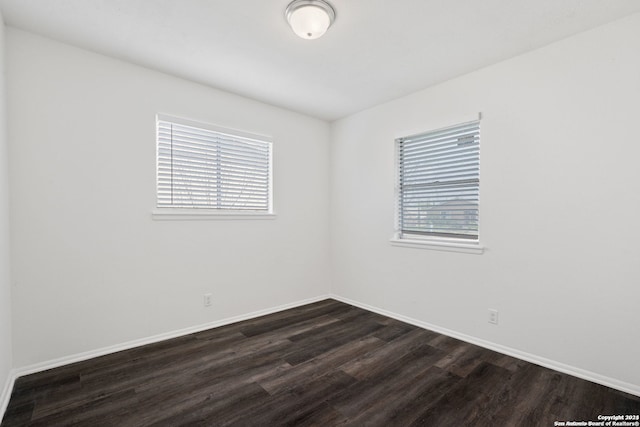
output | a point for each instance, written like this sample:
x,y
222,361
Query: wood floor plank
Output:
x,y
310,345
320,365
93,409
18,414
379,360
298,403
393,330
422,395
210,411
373,400
324,364
453,408
529,389
288,317
462,359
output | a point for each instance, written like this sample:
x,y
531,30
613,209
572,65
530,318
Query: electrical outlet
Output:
x,y
207,300
493,316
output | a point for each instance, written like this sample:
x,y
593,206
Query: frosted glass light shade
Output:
x,y
310,19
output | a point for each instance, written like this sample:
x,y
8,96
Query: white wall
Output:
x,y
90,267
560,199
5,284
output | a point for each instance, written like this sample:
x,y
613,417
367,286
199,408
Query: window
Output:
x,y
438,184
201,167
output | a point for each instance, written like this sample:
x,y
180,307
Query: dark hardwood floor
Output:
x,y
323,364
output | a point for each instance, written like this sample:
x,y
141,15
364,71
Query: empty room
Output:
x,y
319,213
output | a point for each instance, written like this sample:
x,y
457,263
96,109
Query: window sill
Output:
x,y
205,215
436,245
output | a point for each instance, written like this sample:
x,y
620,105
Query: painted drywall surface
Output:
x,y
91,268
560,196
5,284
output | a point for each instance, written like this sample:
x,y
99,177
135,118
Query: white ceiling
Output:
x,y
376,51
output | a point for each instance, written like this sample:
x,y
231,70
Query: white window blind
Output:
x,y
199,167
439,179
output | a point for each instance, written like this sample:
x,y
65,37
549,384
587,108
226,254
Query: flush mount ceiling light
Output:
x,y
310,19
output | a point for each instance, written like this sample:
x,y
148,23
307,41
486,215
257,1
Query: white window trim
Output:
x,y
449,245
175,214
203,214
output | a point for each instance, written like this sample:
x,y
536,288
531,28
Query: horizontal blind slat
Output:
x,y
238,151
213,156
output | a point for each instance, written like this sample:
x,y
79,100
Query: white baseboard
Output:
x,y
6,392
547,363
66,360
